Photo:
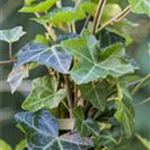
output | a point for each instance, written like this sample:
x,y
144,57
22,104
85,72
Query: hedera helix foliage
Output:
x,y
88,80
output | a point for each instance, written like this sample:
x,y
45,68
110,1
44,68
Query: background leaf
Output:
x,y
44,94
21,145
140,6
12,35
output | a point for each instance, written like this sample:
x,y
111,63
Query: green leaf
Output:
x,y
110,11
16,76
41,7
4,145
41,39
55,57
140,6
86,127
144,141
97,94
89,66
42,133
125,116
44,94
21,145
29,2
12,35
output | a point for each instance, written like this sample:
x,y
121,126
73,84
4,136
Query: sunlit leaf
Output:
x,y
125,116
4,145
140,6
16,76
97,94
12,35
44,94
55,57
42,133
41,39
41,7
89,66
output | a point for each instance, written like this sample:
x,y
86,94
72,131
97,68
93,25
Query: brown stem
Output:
x,y
7,62
69,95
117,18
98,15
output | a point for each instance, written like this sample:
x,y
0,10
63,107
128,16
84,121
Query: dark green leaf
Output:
x,y
89,66
41,7
125,116
12,35
97,94
86,127
54,57
42,133
44,94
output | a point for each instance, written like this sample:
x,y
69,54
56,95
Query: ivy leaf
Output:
x,y
97,94
41,7
140,6
54,57
86,127
42,133
16,76
4,145
44,94
125,115
89,66
12,35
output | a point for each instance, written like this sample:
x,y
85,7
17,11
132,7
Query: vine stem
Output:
x,y
138,86
98,15
5,62
69,96
48,29
117,18
10,51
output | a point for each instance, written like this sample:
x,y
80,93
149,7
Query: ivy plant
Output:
x,y
84,102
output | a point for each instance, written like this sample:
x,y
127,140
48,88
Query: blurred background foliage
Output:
x,y
10,104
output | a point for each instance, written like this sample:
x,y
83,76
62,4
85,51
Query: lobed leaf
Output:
x,y
44,94
90,66
42,133
12,35
55,57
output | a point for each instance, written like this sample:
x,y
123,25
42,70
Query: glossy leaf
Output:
x,y
89,66
44,94
55,57
16,76
97,94
4,145
86,127
140,6
41,7
42,133
125,116
12,35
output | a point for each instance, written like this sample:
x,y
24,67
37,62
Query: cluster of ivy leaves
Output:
x,y
97,68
